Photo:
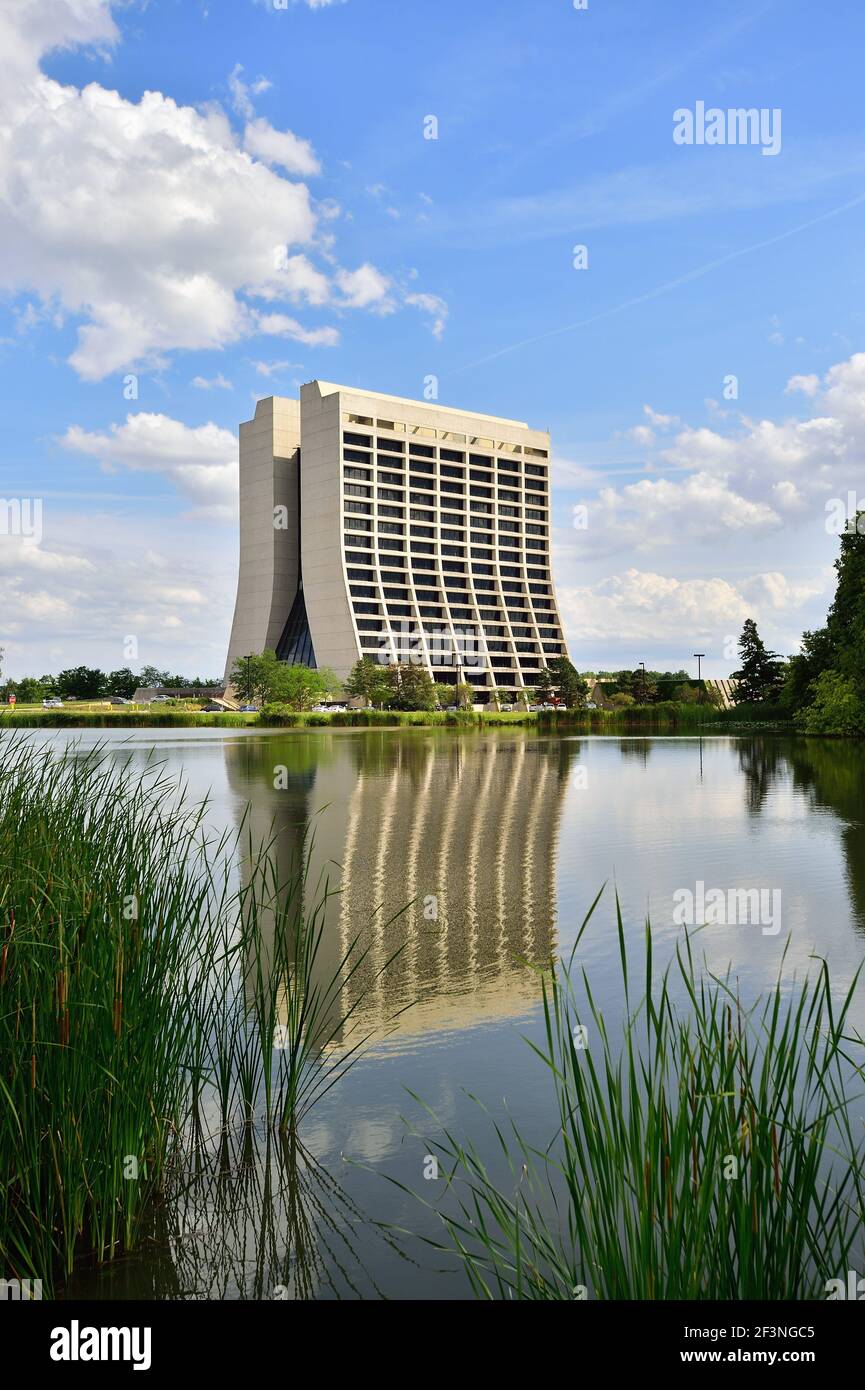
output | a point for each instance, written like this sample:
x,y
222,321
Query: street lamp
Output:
x,y
699,656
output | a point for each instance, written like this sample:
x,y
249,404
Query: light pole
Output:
x,y
247,659
699,656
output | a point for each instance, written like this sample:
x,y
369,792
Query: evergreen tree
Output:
x,y
573,690
760,677
543,691
411,687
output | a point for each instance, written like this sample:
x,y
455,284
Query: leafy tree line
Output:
x,y
264,680
89,683
825,684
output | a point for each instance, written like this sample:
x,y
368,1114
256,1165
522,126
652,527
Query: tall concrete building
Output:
x,y
404,530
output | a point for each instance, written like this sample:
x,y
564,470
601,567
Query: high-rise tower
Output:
x,y
404,530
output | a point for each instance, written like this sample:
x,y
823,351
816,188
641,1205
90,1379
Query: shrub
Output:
x,y
835,708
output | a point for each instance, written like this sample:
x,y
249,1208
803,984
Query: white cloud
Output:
x,y
201,462
82,598
756,477
147,221
435,307
641,606
281,147
269,369
219,382
364,288
282,326
807,384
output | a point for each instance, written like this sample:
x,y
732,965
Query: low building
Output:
x,y
145,695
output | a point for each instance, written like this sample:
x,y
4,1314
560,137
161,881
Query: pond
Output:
x,y
475,856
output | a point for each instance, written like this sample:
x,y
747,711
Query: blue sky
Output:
x,y
155,155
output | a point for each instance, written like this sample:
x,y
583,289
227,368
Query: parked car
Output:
x,y
249,709
53,702
160,699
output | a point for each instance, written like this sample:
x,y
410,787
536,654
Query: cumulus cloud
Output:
x,y
281,147
201,461
752,476
364,288
152,223
81,597
640,606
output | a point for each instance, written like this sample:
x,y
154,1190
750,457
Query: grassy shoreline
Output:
x,y
647,719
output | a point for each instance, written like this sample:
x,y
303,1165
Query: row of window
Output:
x,y
354,462
386,496
427,432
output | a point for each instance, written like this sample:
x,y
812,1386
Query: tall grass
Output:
x,y
149,998
702,1151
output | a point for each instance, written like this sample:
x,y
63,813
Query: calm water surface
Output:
x,y
500,841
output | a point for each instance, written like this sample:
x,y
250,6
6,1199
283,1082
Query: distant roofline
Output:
x,y
330,388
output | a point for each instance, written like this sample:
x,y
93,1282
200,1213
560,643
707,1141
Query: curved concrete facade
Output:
x,y
269,551
418,532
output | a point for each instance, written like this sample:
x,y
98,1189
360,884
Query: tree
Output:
x,y
29,690
444,694
760,677
643,686
621,700
256,677
121,682
268,680
367,680
150,677
543,687
85,682
411,686
573,690
499,695
825,683
465,694
835,707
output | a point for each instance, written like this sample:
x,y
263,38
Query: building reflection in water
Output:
x,y
443,850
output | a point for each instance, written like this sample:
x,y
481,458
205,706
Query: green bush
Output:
x,y
835,708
